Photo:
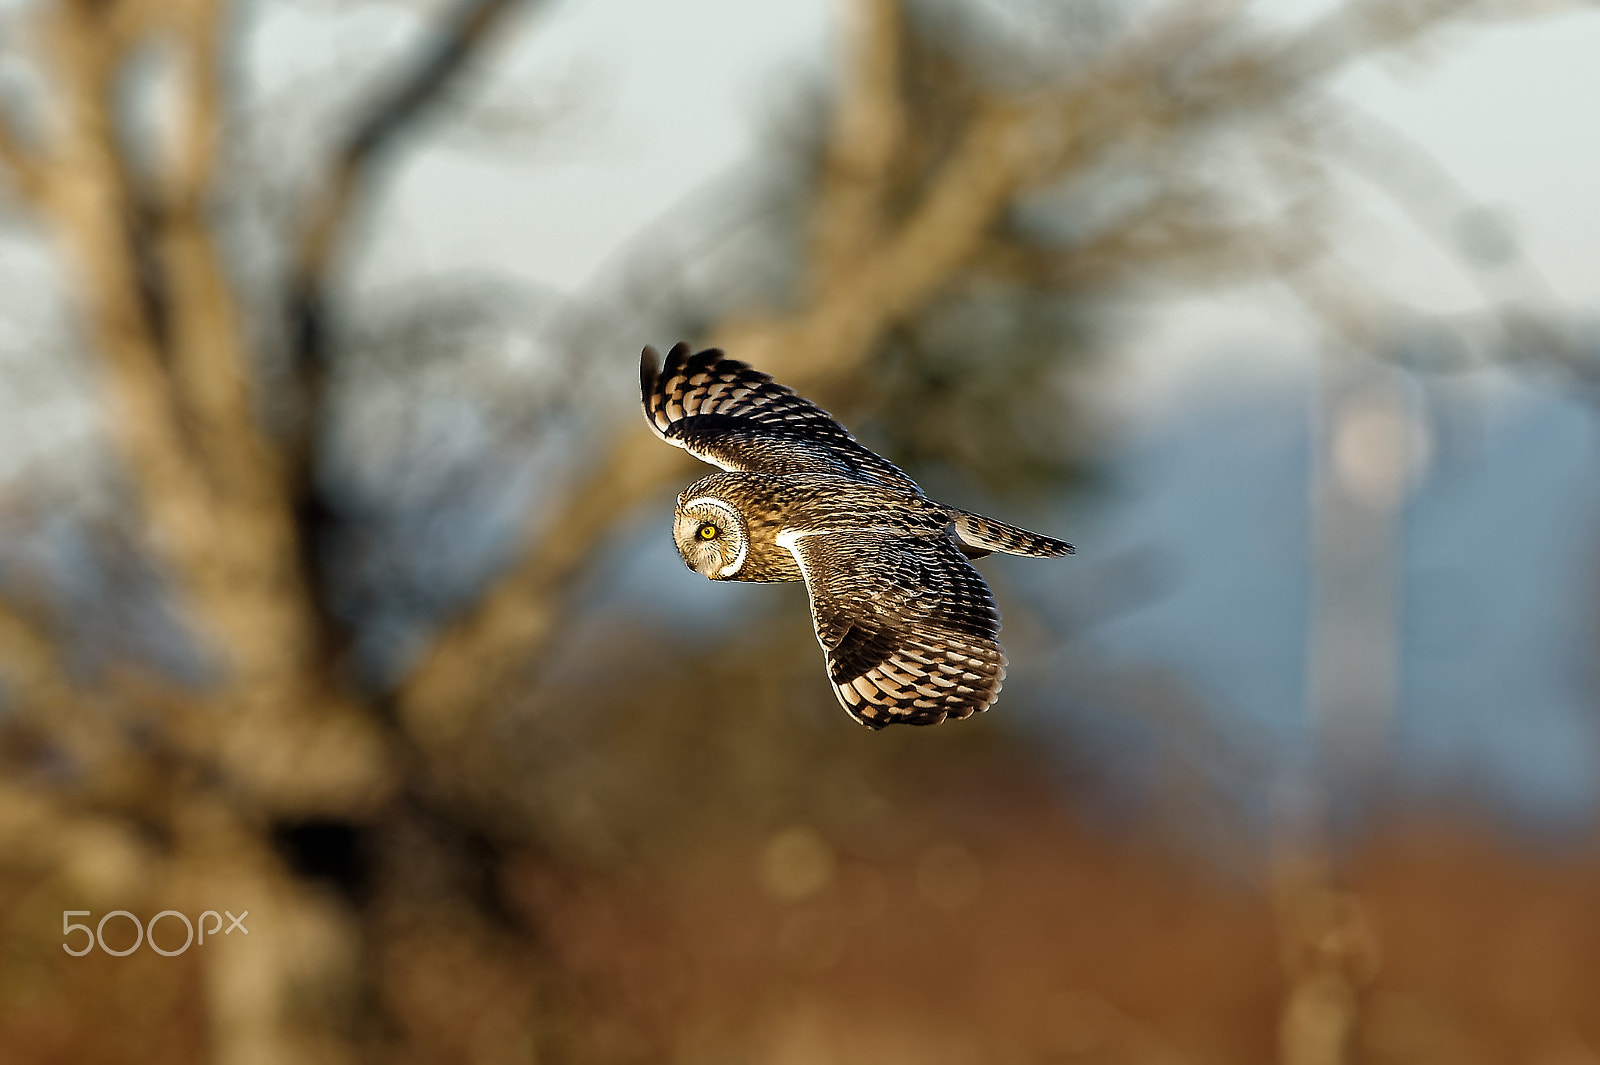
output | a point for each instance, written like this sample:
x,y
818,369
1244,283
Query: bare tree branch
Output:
x,y
210,369
1163,237
477,655
91,211
450,52
229,566
18,165
868,125
214,495
45,701
187,178
30,659
455,46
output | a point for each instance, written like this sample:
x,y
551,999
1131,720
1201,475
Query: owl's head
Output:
x,y
712,536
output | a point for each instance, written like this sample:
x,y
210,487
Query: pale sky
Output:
x,y
658,104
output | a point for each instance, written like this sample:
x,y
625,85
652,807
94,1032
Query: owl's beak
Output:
x,y
707,567
689,562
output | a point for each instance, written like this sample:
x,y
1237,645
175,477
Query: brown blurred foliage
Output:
x,y
510,849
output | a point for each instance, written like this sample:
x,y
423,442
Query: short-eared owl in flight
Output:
x,y
907,625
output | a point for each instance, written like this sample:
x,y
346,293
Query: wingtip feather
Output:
x,y
677,356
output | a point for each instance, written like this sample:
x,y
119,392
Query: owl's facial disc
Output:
x,y
710,536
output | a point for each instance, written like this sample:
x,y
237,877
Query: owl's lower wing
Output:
x,y
907,625
723,412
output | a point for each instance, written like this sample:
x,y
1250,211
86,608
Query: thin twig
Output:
x,y
451,50
869,123
21,169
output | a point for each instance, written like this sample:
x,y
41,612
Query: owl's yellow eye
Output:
x,y
708,531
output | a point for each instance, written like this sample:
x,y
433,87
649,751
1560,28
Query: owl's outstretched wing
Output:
x,y
723,412
907,625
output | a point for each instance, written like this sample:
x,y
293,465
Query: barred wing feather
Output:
x,y
723,412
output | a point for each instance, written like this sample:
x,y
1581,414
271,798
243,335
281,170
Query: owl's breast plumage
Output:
x,y
768,561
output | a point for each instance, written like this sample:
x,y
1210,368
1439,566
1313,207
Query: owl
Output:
x,y
907,626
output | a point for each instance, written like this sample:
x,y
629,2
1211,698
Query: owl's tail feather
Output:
x,y
978,536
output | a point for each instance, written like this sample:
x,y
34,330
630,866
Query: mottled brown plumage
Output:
x,y
907,625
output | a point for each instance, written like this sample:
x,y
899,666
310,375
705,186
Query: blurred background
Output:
x,y
336,579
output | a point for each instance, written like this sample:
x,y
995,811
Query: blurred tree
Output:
x,y
971,185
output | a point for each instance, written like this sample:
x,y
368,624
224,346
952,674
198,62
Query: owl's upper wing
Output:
x,y
907,625
723,412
